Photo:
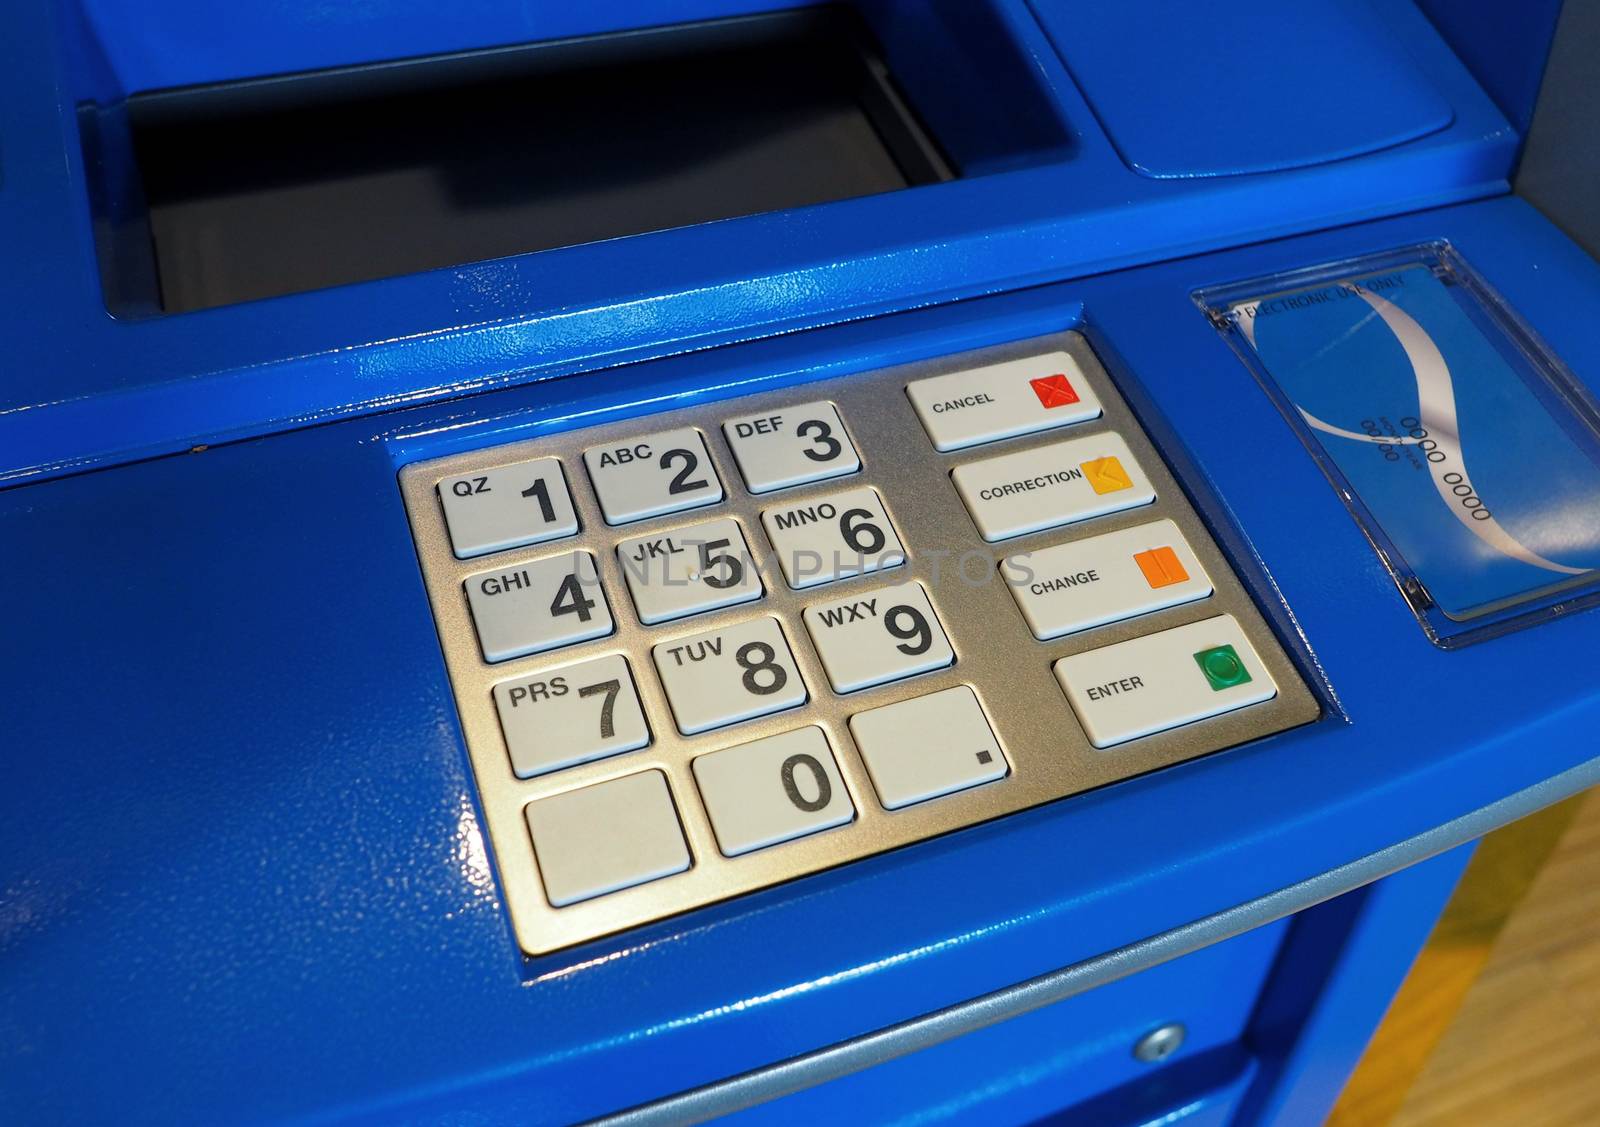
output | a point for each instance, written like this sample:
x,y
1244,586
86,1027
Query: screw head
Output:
x,y
1160,1043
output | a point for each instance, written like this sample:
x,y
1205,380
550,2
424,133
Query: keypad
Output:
x,y
700,654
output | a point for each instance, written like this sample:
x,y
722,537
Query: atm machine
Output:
x,y
974,561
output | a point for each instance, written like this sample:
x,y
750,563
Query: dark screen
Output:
x,y
258,191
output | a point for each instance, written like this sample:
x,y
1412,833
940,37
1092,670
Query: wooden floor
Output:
x,y
1499,1021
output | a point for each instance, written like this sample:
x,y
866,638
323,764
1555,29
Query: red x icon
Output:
x,y
1054,391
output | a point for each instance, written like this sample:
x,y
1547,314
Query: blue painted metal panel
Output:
x,y
82,389
238,842
1504,45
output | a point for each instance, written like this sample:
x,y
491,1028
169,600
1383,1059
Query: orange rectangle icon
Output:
x,y
1161,567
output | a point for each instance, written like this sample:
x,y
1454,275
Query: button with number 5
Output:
x,y
791,446
872,637
532,607
570,715
723,676
772,790
689,570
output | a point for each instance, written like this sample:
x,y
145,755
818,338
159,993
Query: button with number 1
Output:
x,y
507,507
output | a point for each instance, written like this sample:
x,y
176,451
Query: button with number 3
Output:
x,y
533,607
772,790
730,674
791,446
570,715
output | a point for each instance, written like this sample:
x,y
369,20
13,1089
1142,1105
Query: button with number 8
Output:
x,y
791,446
772,790
733,673
570,715
872,637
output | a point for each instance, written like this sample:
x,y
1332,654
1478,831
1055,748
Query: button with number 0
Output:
x,y
653,474
872,637
794,445
533,607
723,676
772,790
507,507
570,715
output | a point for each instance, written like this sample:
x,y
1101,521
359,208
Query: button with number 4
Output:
x,y
533,607
689,570
872,637
772,790
653,474
791,446
566,716
723,676
507,507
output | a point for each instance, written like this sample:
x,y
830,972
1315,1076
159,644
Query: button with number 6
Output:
x,y
730,674
772,790
569,715
871,637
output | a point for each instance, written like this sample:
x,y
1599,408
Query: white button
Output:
x,y
1003,400
606,837
772,790
689,570
876,636
723,676
1157,682
1104,579
507,507
653,474
791,446
832,537
919,749
1052,485
530,608
570,715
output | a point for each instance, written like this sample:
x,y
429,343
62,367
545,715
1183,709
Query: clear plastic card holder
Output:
x,y
1468,454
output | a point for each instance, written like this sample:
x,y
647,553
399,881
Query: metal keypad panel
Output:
x,y
703,652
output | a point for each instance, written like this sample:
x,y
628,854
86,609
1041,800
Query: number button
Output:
x,y
533,607
566,716
689,570
656,474
832,537
772,790
721,677
878,636
507,507
778,449
928,746
606,837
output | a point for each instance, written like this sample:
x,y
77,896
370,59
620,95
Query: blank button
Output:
x,y
922,748
606,837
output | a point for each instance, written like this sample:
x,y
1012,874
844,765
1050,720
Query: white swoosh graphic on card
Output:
x,y
1436,410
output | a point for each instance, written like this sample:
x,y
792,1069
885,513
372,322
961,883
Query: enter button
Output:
x,y
1147,685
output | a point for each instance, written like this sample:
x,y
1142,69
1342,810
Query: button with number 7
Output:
x,y
569,715
870,637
